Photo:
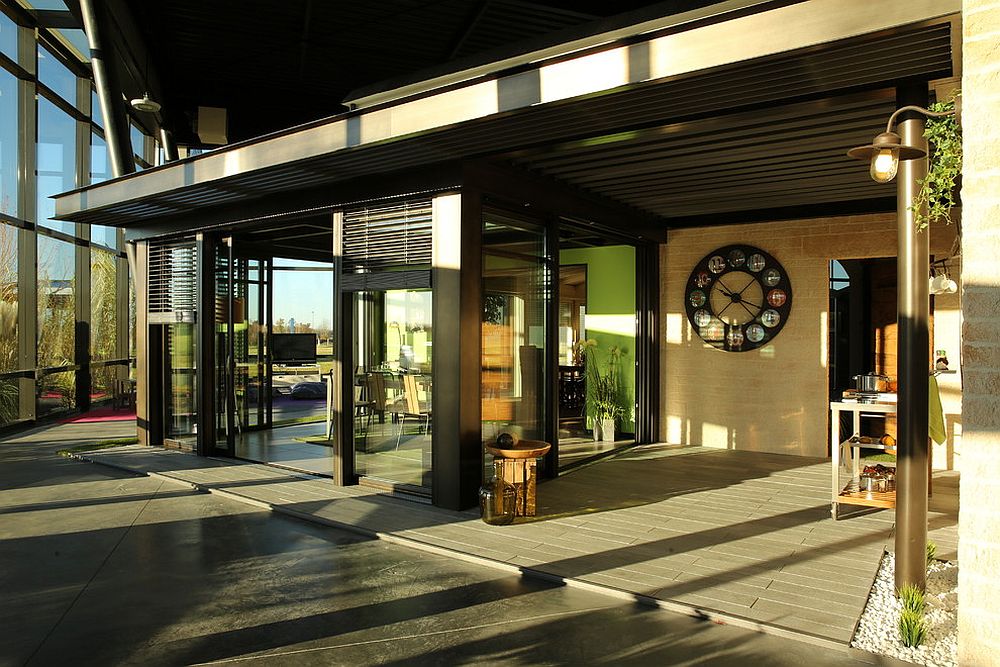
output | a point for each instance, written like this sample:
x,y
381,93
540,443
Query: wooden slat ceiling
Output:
x,y
780,157
755,135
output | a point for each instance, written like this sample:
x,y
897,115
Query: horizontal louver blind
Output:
x,y
381,238
172,282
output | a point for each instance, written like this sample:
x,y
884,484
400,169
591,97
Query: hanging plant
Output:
x,y
936,197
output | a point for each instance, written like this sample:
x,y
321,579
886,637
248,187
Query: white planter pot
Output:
x,y
607,427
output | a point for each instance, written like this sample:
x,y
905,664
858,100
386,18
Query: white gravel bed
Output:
x,y
878,631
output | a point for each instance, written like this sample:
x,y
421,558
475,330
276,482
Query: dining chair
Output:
x,y
411,406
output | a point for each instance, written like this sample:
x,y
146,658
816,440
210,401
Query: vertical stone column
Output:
x,y
979,519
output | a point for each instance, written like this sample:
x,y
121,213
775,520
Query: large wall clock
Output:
x,y
738,298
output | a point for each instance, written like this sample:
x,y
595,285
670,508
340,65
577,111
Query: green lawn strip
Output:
x,y
313,419
102,444
316,440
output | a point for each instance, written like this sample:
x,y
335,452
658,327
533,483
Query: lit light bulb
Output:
x,y
884,164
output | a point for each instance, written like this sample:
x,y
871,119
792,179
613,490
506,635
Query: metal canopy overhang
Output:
x,y
749,113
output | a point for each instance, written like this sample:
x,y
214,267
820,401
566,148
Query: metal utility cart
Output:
x,y
851,493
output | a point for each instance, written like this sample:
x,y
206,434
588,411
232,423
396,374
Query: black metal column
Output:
x,y
204,345
109,90
551,296
647,343
913,354
342,380
457,276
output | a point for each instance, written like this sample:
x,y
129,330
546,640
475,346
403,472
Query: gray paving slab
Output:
x,y
711,530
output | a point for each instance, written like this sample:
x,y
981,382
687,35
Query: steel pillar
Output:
x,y
913,352
169,145
109,91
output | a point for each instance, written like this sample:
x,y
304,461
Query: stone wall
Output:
x,y
773,399
979,520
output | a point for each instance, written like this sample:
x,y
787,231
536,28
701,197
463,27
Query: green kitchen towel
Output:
x,y
935,414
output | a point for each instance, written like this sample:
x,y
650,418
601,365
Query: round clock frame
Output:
x,y
738,298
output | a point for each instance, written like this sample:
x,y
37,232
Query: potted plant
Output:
x,y
603,388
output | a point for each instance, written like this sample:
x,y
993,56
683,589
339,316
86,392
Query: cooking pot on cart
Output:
x,y
870,382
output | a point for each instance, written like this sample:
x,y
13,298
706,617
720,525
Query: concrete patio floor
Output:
x,y
102,567
739,537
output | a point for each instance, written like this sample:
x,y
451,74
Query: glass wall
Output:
x,y
56,75
9,145
44,353
393,344
56,302
8,37
516,293
8,298
9,385
103,305
56,161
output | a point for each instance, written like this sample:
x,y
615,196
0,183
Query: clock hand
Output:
x,y
724,289
752,281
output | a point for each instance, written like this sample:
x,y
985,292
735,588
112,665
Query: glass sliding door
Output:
x,y
273,356
515,323
393,414
180,386
597,345
242,368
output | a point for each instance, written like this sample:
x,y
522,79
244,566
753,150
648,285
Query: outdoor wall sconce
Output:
x,y
887,149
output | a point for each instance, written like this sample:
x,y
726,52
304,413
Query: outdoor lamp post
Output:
x,y
887,149
905,152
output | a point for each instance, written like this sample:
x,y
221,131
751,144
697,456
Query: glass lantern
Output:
x,y
498,498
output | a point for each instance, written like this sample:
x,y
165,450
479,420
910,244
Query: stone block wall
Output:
x,y
979,519
773,399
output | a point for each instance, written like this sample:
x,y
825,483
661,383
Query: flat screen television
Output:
x,y
293,348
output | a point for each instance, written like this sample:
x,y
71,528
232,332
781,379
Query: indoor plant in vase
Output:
x,y
603,389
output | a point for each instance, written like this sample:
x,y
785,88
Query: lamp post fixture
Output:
x,y
887,149
885,154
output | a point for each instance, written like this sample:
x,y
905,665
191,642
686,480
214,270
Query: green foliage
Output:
x,y
9,409
912,628
493,307
603,381
912,598
104,296
103,444
931,552
936,197
8,298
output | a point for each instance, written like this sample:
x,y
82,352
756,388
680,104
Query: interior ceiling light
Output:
x,y
145,103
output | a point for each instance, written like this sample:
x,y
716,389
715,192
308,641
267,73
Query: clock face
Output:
x,y
738,298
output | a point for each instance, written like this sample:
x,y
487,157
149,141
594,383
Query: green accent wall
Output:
x,y
611,310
